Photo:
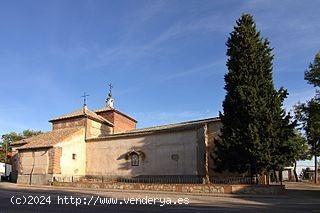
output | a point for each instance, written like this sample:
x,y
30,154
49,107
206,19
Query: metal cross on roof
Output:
x,y
84,96
110,87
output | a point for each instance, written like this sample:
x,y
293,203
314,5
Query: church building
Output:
x,y
105,143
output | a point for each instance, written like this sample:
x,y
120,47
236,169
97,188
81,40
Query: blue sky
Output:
x,y
166,59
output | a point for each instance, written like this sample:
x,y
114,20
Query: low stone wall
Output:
x,y
35,179
258,189
184,188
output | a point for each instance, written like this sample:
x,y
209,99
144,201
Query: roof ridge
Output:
x,y
178,123
81,112
168,127
69,115
103,109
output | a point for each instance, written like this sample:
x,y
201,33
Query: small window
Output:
x,y
175,157
74,156
134,159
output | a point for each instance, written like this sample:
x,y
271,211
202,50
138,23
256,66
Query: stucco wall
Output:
x,y
75,144
96,129
34,161
107,157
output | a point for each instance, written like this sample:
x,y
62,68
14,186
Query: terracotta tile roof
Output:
x,y
47,139
18,143
104,109
162,128
82,112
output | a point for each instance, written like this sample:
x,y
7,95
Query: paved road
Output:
x,y
301,198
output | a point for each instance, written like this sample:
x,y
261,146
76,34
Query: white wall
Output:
x,y
73,145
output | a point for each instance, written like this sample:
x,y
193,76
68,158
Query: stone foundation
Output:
x,y
35,179
184,188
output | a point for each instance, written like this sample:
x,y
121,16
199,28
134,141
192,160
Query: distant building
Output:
x,y
5,171
288,174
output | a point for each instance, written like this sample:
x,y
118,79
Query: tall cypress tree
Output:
x,y
252,111
279,140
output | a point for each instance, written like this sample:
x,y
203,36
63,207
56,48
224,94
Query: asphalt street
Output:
x,y
300,198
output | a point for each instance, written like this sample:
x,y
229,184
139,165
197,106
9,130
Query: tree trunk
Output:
x,y
275,176
315,169
295,171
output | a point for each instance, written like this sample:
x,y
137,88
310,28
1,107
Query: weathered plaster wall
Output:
x,y
67,123
96,129
35,161
107,157
74,144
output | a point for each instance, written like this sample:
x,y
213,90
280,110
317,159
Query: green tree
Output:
x,y
299,150
309,113
255,128
29,133
312,75
11,137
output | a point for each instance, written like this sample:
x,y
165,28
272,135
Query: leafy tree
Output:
x,y
29,133
312,75
309,113
255,128
299,150
11,137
